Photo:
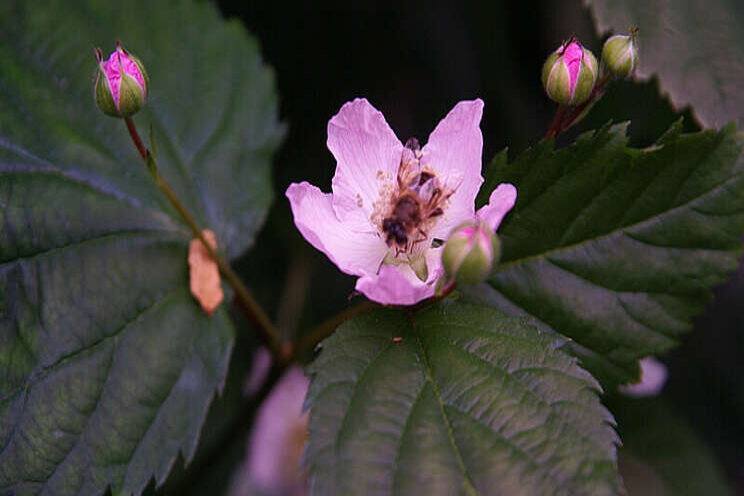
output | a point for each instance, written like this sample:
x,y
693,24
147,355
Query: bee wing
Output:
x,y
449,182
409,168
435,192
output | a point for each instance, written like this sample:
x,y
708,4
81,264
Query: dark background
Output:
x,y
414,61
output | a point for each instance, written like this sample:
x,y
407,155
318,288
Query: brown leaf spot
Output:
x,y
204,276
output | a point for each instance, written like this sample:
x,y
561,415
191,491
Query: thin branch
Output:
x,y
266,331
312,337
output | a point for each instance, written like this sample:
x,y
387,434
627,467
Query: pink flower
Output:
x,y
391,203
274,453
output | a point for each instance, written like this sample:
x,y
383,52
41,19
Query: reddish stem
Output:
x,y
136,138
560,123
556,124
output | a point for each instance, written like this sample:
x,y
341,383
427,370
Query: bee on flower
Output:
x,y
393,205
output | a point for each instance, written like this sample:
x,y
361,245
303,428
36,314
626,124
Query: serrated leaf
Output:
x,y
107,364
662,454
696,47
456,399
617,248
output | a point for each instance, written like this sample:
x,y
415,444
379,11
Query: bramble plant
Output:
x,y
507,315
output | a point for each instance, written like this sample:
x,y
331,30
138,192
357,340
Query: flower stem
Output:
x,y
312,337
553,130
136,138
266,331
563,120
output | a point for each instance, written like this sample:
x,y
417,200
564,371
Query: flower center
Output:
x,y
408,208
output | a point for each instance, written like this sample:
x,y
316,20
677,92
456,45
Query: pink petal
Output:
x,y
112,69
394,286
434,264
572,59
131,68
366,150
276,442
353,253
653,378
499,203
454,150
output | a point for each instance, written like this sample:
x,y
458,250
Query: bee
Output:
x,y
418,198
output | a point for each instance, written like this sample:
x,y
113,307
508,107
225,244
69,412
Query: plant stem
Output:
x,y
266,331
556,124
315,335
136,138
563,121
312,337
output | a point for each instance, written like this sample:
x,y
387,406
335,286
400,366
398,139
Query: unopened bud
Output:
x,y
470,253
121,83
569,74
620,55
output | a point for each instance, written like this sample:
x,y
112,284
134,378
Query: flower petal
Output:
x,y
454,150
434,264
394,285
499,203
353,253
112,68
275,448
367,153
653,378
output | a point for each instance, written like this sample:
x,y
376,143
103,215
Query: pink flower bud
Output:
x,y
569,74
121,83
470,253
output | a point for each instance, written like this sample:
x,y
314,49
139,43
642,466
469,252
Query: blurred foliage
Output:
x,y
661,452
694,47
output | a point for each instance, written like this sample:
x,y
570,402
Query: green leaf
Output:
x,y
662,454
107,365
617,248
456,399
696,47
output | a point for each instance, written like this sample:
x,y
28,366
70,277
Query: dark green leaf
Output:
x,y
617,248
662,454
696,47
456,399
107,365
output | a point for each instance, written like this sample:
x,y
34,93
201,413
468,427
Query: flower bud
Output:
x,y
620,55
121,83
470,253
569,74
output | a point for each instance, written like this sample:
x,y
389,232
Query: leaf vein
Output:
x,y
469,485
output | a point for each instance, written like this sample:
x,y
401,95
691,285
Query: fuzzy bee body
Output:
x,y
419,197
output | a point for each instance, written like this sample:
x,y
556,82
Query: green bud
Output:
x,y
569,74
470,253
620,55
